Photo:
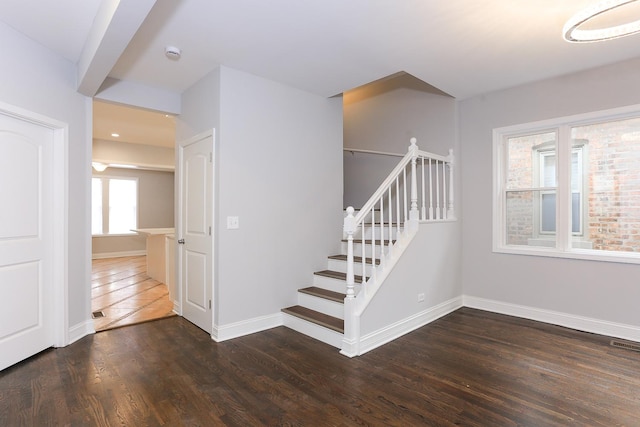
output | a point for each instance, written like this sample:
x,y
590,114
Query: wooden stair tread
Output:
x,y
324,293
316,317
356,259
368,241
337,275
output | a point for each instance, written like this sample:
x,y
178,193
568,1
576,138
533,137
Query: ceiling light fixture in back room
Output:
x,y
577,29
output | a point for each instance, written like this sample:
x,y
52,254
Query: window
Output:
x,y
114,205
548,178
570,187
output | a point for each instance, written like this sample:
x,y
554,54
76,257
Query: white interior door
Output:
x,y
195,229
26,239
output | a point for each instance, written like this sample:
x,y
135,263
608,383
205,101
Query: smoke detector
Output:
x,y
172,52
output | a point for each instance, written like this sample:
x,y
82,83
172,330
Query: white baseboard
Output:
x,y
586,324
80,330
246,327
103,255
389,333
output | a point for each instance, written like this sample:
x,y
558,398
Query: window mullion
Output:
x,y
105,205
563,192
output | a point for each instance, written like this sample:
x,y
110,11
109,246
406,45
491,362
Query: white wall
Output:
x,y
386,122
603,291
36,79
278,169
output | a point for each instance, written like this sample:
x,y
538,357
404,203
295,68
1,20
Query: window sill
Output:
x,y
579,254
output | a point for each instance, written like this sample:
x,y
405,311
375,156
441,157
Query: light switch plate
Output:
x,y
233,222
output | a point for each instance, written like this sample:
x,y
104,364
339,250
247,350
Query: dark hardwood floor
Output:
x,y
470,368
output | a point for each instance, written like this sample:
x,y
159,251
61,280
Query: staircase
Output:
x,y
331,307
320,310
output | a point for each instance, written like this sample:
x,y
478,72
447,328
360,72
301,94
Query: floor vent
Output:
x,y
628,346
97,314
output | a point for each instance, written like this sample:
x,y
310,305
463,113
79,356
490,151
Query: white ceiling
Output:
x,y
462,47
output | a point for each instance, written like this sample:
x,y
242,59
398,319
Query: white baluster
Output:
x,y
373,241
404,190
398,203
349,228
451,213
423,213
390,221
437,189
413,213
444,190
382,257
430,190
364,252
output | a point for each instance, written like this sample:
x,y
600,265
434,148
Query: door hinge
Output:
x,y
211,157
209,230
209,304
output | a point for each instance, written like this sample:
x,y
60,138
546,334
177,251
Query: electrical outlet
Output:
x,y
420,297
233,222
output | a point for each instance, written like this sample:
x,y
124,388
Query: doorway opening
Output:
x,y
133,163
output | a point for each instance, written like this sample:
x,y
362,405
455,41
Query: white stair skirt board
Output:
x,y
389,333
322,305
313,330
586,324
245,327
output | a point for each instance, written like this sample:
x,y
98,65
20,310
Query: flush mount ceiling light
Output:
x,y
572,32
100,167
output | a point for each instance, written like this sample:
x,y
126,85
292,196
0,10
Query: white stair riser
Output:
x,y
318,332
332,308
357,249
335,285
368,232
341,266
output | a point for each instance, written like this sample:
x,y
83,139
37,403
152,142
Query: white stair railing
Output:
x,y
393,219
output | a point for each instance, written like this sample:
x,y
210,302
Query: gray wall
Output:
x,y
155,209
597,290
430,265
279,169
386,122
39,80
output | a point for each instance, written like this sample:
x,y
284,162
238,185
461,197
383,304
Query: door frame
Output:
x,y
59,247
178,215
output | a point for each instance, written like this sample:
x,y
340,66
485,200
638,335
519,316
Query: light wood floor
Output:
x,y
122,291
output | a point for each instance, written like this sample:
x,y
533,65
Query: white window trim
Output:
x,y
561,125
106,208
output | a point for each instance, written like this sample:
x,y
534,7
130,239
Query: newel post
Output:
x,y
349,229
451,210
414,215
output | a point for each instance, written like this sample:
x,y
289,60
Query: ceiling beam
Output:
x,y
113,28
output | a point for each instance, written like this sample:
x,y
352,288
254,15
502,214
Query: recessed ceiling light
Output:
x,y
572,32
115,135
